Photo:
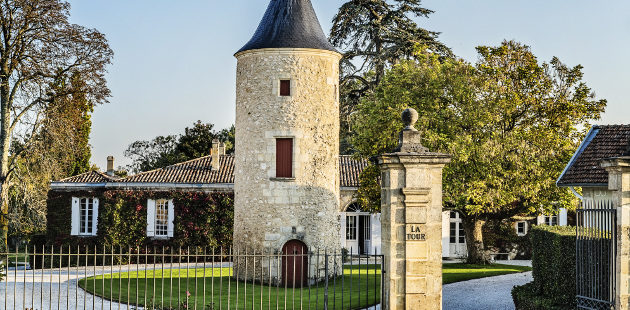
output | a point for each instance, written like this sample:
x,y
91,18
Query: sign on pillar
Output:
x,y
411,214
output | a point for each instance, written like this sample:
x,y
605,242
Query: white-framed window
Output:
x,y
521,228
551,220
351,227
160,216
84,216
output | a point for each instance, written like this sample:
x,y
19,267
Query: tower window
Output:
x,y
284,157
285,88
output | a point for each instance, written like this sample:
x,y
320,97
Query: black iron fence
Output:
x,y
596,249
188,278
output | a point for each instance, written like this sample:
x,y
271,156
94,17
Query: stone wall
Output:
x,y
269,211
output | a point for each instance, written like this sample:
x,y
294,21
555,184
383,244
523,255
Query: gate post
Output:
x,y
619,183
411,220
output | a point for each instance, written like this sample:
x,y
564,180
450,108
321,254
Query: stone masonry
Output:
x,y
619,183
270,211
411,215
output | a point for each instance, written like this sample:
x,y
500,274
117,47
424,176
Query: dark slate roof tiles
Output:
x,y
609,141
289,24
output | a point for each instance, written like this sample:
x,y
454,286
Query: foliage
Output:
x,y
526,299
39,49
553,262
500,236
57,150
373,35
164,151
201,219
369,194
510,123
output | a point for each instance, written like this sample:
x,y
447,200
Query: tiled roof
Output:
x,y
196,171
89,177
350,169
199,171
289,24
602,142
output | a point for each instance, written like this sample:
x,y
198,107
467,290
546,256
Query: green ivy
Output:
x,y
201,219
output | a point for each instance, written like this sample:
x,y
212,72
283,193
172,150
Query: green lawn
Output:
x,y
461,272
360,287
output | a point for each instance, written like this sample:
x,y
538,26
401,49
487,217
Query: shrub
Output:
x,y
553,262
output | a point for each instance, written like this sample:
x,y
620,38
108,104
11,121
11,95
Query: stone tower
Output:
x,y
287,134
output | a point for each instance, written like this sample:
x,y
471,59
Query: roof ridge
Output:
x,y
163,168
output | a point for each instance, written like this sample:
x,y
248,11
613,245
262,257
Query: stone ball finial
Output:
x,y
409,118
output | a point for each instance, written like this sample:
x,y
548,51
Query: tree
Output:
x,y
163,151
373,35
39,47
60,148
510,123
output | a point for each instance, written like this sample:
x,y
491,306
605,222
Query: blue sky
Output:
x,y
173,62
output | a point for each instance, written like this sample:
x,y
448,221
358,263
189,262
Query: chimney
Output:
x,y
215,154
110,166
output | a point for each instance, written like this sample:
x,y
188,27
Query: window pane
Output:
x,y
462,237
161,217
351,227
452,233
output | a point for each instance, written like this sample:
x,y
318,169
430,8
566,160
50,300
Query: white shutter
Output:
x,y
540,220
94,216
342,230
376,233
171,218
150,218
75,217
562,217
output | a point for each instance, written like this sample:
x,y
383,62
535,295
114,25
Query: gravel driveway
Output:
x,y
57,288
483,294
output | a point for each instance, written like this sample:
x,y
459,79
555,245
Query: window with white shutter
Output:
x,y
150,218
160,216
84,216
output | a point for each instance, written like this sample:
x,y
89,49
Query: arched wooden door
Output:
x,y
294,263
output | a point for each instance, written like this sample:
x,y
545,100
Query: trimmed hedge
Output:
x,y
553,262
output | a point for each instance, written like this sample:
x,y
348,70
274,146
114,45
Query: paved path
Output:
x,y
57,288
483,294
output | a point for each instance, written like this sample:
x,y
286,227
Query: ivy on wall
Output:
x,y
201,219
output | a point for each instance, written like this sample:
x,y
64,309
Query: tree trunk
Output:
x,y
5,146
473,229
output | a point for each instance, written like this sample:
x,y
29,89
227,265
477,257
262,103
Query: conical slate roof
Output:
x,y
289,24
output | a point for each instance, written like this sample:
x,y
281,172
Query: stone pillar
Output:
x,y
411,215
619,183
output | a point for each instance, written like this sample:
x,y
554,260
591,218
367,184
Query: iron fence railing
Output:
x,y
596,249
77,277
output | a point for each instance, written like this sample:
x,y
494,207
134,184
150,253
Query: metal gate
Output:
x,y
596,247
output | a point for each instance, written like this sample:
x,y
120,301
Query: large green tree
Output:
x,y
510,122
162,151
38,48
60,148
373,35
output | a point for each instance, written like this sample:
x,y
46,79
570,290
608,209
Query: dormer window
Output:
x,y
285,88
